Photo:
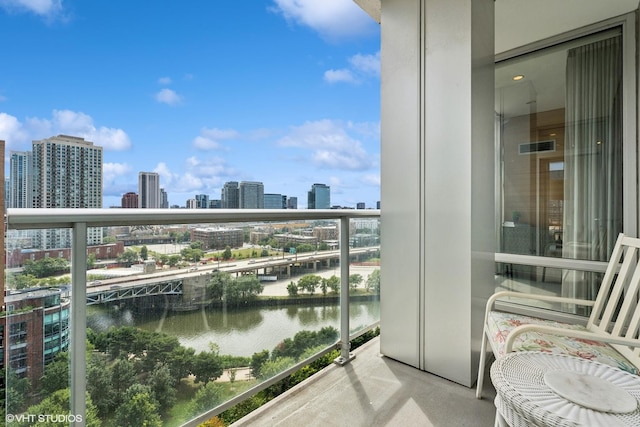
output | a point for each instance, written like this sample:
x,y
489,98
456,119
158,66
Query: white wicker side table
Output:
x,y
545,389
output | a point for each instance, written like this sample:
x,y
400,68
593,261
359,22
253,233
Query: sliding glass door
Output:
x,y
560,135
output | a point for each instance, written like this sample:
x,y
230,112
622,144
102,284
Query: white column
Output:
x,y
437,182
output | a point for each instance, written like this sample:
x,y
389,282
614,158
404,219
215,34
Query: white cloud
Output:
x,y
164,80
201,177
112,171
65,122
50,9
209,138
333,19
80,124
367,64
12,131
360,67
168,96
337,76
331,145
371,179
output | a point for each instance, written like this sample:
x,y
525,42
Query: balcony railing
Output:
x,y
80,220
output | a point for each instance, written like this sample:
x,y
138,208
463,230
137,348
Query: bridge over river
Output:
x,y
189,283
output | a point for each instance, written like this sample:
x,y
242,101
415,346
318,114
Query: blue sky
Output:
x,y
203,91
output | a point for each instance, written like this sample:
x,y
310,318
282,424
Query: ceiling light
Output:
x,y
518,77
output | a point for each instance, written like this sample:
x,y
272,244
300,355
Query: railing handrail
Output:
x,y
25,219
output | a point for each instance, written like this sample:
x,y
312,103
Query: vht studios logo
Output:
x,y
43,418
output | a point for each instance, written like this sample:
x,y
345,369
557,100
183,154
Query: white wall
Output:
x,y
437,182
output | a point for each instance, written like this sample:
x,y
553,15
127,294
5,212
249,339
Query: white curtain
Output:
x,y
593,158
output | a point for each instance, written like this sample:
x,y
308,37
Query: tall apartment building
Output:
x,y
292,203
230,195
251,195
164,199
129,200
202,201
20,179
67,173
275,201
191,204
319,197
149,190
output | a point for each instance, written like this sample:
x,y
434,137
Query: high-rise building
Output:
x,y
292,203
202,201
149,190
191,204
251,195
275,201
360,205
215,204
164,199
67,173
230,195
319,197
20,179
129,200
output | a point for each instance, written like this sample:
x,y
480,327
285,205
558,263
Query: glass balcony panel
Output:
x,y
182,318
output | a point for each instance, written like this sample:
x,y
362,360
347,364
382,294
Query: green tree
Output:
x,y
174,260
226,255
355,280
217,285
91,261
57,403
323,246
164,259
257,360
16,391
264,253
334,284
56,374
45,267
144,252
207,397
109,239
271,368
23,281
180,362
123,376
305,247
309,283
206,367
128,257
373,281
139,408
197,245
162,385
292,289
100,388
249,286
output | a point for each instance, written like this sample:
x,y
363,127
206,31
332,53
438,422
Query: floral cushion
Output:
x,y
500,324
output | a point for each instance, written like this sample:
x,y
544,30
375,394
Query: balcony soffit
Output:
x,y
520,22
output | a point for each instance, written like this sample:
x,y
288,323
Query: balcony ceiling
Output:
x,y
519,22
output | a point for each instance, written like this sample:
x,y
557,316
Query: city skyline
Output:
x,y
205,101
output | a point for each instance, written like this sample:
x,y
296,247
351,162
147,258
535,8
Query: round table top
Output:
x,y
554,389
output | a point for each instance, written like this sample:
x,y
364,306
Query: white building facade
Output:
x,y
508,130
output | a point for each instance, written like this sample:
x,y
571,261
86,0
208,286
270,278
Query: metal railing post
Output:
x,y
78,368
345,345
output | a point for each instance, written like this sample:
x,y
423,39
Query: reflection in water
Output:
x,y
239,332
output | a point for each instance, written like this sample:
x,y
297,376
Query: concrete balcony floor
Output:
x,y
374,390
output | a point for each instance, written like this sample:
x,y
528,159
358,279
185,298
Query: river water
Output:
x,y
238,332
